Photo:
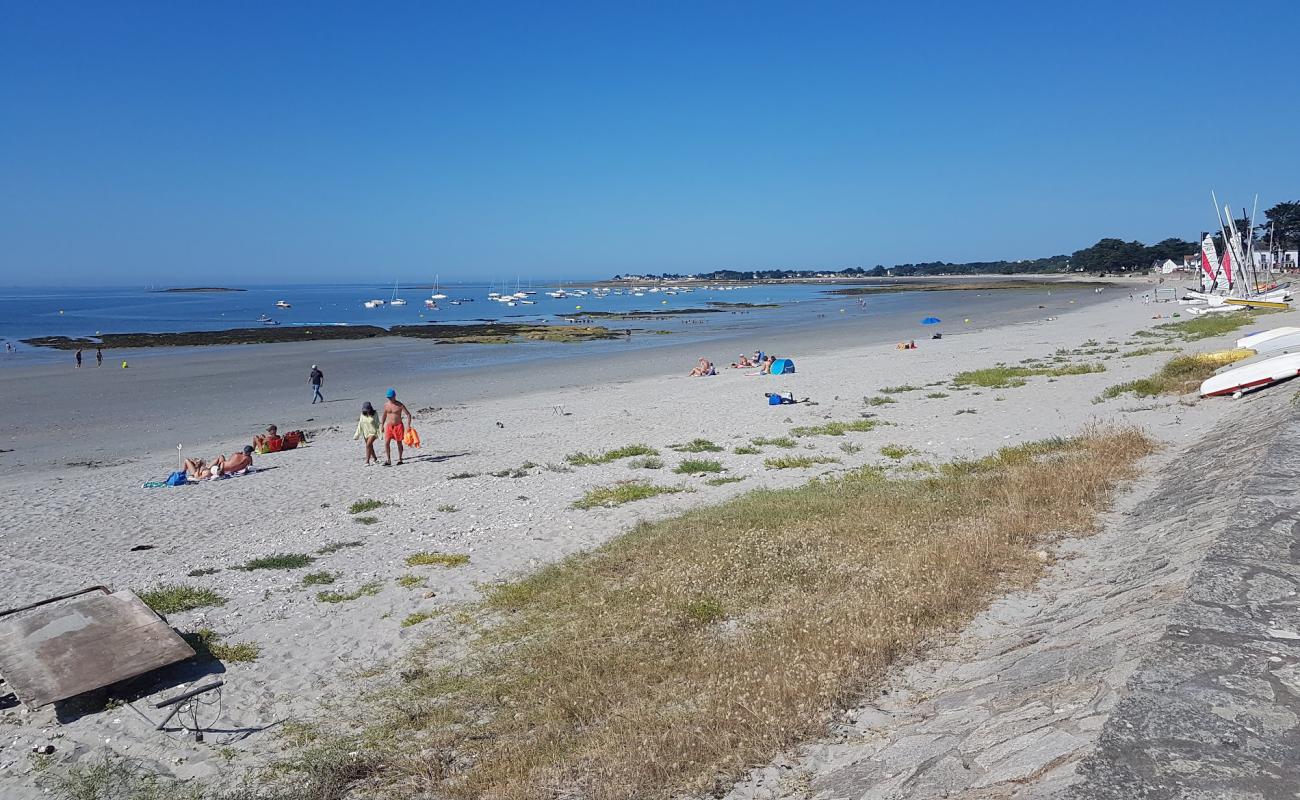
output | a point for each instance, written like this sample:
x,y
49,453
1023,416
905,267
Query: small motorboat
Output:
x,y
269,321
282,304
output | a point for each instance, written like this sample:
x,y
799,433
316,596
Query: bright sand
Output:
x,y
68,525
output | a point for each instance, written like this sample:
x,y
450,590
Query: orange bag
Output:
x,y
412,438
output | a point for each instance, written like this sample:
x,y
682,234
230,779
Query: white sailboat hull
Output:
x,y
1254,341
1255,375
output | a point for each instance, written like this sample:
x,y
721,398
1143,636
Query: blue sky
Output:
x,y
242,142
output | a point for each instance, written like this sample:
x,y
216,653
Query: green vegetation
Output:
x,y
337,546
696,446
723,480
693,466
1004,377
584,459
199,573
1179,375
448,509
364,590
437,560
835,428
276,561
411,582
173,598
418,617
208,647
878,401
937,395
322,578
779,441
850,448
365,519
897,452
1206,326
784,601
746,450
362,506
460,476
511,472
899,389
798,462
649,462
1146,351
623,492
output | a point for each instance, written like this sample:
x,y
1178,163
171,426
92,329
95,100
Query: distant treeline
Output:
x,y
1281,224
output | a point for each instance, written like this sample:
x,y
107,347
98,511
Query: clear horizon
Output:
x,y
185,146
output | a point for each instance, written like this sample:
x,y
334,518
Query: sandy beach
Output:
x,y
75,514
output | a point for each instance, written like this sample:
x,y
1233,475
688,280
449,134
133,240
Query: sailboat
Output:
x,y
396,301
437,295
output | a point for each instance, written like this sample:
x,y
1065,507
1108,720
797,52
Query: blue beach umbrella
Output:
x,y
931,321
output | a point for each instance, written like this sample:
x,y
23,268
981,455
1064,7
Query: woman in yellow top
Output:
x,y
368,429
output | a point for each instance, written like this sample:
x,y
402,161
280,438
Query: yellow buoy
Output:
x,y
123,365
578,308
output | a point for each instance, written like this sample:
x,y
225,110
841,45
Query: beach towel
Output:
x,y
412,438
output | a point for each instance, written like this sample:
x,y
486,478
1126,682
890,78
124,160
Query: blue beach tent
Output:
x,y
782,366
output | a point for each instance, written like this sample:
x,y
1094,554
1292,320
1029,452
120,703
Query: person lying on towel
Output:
x,y
236,464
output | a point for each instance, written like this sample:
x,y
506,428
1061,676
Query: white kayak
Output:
x,y
1250,376
1252,341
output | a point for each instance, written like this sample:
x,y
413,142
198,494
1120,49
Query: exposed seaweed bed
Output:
x,y
487,333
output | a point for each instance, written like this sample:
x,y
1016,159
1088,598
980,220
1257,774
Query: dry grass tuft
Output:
x,y
699,646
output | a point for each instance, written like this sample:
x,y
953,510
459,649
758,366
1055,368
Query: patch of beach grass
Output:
x,y
173,598
696,446
897,451
364,590
334,547
695,466
362,506
623,492
112,778
365,519
937,395
722,481
671,659
798,462
510,472
411,582
878,401
1146,351
746,450
447,508
784,442
849,448
649,462
199,573
1004,377
1179,375
322,578
629,451
276,561
1205,326
835,428
460,476
419,616
208,646
906,387
428,559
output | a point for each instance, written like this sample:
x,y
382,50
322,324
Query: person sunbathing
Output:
x,y
767,365
237,463
269,442
743,362
702,368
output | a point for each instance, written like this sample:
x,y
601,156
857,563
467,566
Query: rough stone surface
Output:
x,y
1160,685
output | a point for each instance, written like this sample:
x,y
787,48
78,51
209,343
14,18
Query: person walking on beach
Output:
x,y
316,377
78,358
99,356
393,427
368,429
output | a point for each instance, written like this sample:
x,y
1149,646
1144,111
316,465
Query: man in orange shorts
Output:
x,y
393,427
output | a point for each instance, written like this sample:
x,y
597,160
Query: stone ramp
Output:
x,y
1214,712
1013,705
